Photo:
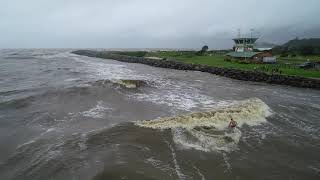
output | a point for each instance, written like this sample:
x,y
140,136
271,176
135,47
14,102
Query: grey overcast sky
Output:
x,y
152,23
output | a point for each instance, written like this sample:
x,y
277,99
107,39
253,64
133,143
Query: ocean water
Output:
x,y
65,116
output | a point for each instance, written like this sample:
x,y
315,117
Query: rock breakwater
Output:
x,y
226,72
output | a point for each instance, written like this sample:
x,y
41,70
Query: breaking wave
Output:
x,y
125,83
208,131
128,83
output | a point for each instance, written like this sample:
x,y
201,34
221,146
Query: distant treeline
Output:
x,y
298,47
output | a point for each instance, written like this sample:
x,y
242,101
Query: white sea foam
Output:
x,y
48,131
158,164
207,131
97,111
199,172
99,69
26,143
175,162
36,138
226,160
72,79
177,95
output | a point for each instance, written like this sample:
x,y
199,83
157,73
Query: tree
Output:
x,y
203,50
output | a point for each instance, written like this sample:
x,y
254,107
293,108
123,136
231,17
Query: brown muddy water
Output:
x,y
65,117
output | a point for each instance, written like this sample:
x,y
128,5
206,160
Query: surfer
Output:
x,y
233,123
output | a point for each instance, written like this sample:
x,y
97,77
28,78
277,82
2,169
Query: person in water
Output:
x,y
233,123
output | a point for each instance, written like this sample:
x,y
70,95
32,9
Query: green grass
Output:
x,y
218,61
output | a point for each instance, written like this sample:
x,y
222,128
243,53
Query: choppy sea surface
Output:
x,y
65,116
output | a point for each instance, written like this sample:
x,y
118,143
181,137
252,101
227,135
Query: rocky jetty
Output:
x,y
226,72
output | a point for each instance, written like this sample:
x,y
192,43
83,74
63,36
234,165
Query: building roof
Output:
x,y
264,49
246,38
242,54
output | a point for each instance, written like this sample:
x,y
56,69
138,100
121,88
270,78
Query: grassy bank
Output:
x,y
191,62
287,66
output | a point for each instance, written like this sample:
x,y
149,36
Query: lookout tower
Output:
x,y
244,44
244,51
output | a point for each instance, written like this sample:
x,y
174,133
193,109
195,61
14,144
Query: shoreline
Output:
x,y
294,81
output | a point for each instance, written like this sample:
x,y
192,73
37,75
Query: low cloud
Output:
x,y
150,23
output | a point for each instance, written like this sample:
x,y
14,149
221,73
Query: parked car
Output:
x,y
308,65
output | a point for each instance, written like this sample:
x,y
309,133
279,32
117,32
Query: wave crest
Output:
x,y
129,83
208,130
251,112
